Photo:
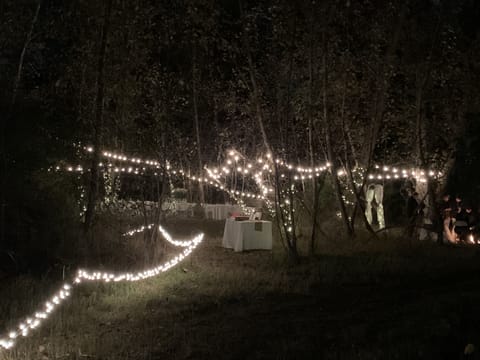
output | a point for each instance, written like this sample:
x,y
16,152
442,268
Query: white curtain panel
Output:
x,y
375,192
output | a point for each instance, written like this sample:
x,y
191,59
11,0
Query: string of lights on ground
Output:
x,y
26,327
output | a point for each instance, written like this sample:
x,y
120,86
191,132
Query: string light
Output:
x,y
166,235
117,277
389,173
225,170
260,171
137,230
31,323
233,156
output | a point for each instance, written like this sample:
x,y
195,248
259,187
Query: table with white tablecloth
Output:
x,y
247,235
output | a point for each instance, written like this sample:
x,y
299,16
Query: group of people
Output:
x,y
453,220
459,222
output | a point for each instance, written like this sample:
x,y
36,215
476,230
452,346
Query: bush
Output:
x,y
43,218
179,194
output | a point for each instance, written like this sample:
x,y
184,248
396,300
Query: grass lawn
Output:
x,y
369,301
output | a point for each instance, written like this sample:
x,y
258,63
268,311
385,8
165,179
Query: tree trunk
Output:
x,y
201,193
290,236
421,138
8,118
258,107
422,83
357,191
382,87
328,140
97,127
316,194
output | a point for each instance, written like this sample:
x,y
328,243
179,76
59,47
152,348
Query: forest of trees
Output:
x,y
350,82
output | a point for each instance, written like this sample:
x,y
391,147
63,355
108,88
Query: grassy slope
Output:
x,y
389,301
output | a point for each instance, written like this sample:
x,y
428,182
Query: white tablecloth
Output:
x,y
247,235
212,211
220,211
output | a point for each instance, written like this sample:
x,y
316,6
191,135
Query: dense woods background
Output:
x,y
351,82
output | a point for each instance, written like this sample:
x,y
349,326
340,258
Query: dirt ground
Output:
x,y
420,302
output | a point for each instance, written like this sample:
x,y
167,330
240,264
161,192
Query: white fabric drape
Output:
x,y
375,192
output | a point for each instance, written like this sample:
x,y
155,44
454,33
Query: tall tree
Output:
x,y
3,130
98,122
